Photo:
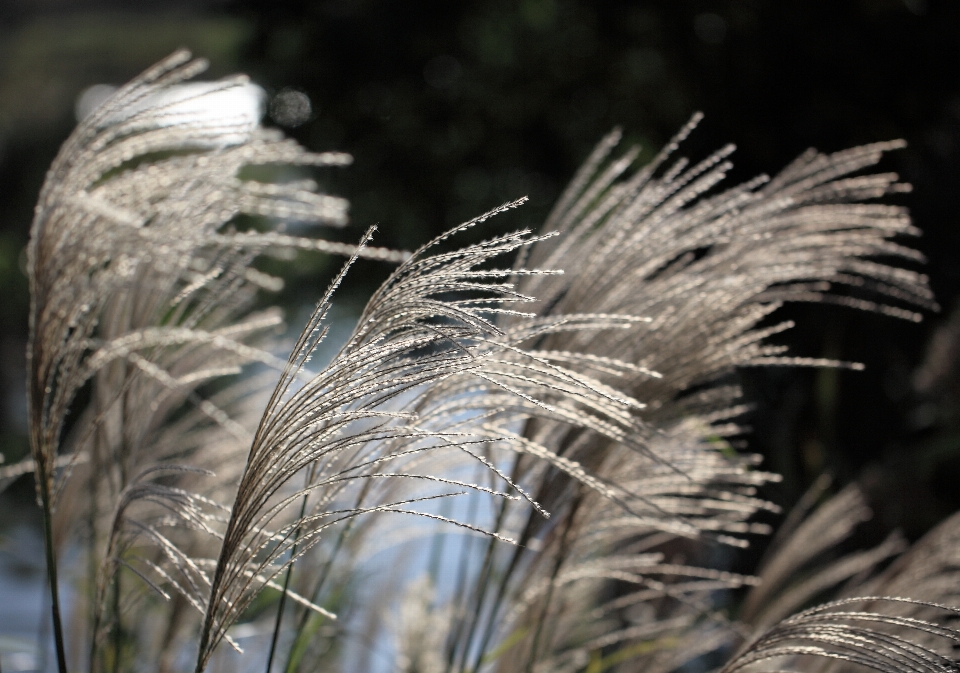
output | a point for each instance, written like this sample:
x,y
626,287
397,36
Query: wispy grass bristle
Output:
x,y
536,431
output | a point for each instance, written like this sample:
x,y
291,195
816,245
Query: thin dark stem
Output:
x,y
322,579
91,556
465,556
52,572
484,584
280,607
561,556
204,640
43,629
498,600
480,588
286,586
315,594
116,622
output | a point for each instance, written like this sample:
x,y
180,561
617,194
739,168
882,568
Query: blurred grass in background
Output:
x,y
451,108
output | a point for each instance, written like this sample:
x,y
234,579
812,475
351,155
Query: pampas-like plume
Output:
x,y
418,377
872,639
128,251
590,430
705,270
141,285
870,625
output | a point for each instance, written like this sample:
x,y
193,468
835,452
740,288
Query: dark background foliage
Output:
x,y
452,108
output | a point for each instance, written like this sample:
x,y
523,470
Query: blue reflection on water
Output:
x,y
23,599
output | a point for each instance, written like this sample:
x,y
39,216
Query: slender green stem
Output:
x,y
503,586
315,594
52,572
322,579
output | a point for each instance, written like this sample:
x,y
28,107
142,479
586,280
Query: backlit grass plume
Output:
x,y
363,427
511,468
140,284
704,268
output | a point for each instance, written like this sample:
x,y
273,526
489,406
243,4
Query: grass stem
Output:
x,y
286,586
52,573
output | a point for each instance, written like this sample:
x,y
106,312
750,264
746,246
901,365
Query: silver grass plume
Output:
x,y
128,229
141,286
705,268
871,624
593,421
792,574
928,571
870,637
427,372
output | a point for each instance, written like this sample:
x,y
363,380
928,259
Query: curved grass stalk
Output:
x,y
141,289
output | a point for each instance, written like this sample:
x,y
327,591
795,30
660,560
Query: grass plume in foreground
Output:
x,y
553,432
